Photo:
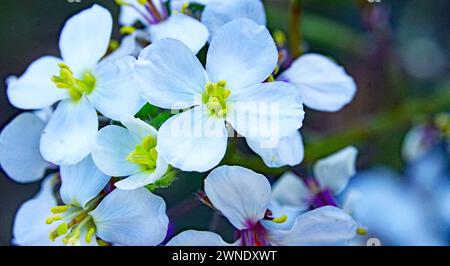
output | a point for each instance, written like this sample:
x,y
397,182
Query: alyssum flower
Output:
x,y
241,56
129,151
243,197
161,23
81,83
331,176
89,216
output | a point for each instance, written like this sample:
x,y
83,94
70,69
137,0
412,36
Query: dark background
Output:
x,y
372,46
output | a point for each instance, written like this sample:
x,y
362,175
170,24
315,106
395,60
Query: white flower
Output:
x,y
160,24
243,197
324,85
129,151
332,175
242,54
88,216
19,148
83,86
218,13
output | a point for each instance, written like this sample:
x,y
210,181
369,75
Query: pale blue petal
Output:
x,y
218,13
289,151
170,75
183,28
81,182
325,226
240,194
197,239
111,149
335,171
70,133
290,190
35,89
19,148
131,217
116,92
138,128
85,38
324,85
242,53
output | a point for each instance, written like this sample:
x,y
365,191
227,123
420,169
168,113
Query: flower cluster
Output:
x,y
107,126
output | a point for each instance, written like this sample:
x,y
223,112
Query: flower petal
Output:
x,y
218,13
240,194
111,149
324,85
131,217
183,28
324,226
137,127
81,182
128,46
35,89
128,14
193,130
19,148
170,74
85,38
116,93
288,152
30,228
70,133
335,171
266,111
289,190
144,178
197,238
242,53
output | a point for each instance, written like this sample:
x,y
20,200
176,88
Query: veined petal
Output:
x,y
334,171
240,194
144,178
131,217
324,226
289,190
30,228
128,14
218,13
35,89
242,53
19,148
170,74
85,38
193,130
81,182
70,133
197,238
116,93
181,27
289,151
137,127
267,111
111,149
324,85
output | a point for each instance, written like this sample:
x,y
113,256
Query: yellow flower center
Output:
x,y
145,154
76,87
215,98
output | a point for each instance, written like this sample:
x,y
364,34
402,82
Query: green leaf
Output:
x,y
165,181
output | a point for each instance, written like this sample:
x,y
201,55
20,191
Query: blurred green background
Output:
x,y
397,51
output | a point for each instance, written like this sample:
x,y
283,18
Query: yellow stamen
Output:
x,y
60,208
127,30
215,97
280,220
361,231
52,219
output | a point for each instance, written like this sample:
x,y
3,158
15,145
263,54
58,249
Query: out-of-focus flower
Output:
x,y
89,217
241,56
83,86
160,23
324,85
243,197
130,151
332,175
